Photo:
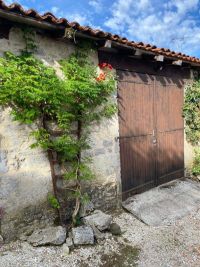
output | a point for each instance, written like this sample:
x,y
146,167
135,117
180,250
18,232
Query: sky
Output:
x,y
173,24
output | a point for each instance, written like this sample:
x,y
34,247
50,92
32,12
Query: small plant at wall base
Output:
x,y
82,98
53,201
196,165
191,113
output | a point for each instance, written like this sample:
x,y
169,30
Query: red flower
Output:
x,y
102,65
105,65
110,66
101,77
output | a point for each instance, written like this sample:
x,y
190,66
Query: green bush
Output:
x,y
196,165
191,112
36,94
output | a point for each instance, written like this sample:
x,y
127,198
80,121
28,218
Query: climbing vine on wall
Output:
x,y
82,98
191,113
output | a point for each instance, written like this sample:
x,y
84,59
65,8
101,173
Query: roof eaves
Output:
x,y
15,12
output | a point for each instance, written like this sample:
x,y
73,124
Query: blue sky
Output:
x,y
173,24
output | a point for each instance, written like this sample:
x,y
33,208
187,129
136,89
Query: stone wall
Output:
x,y
105,190
25,177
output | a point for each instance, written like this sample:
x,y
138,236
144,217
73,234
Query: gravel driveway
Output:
x,y
140,245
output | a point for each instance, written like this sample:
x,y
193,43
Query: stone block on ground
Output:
x,y
99,219
86,209
65,250
166,204
48,236
98,234
115,229
83,235
23,237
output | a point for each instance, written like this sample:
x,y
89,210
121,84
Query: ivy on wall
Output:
x,y
191,113
82,98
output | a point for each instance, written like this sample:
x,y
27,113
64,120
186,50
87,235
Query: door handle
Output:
x,y
154,140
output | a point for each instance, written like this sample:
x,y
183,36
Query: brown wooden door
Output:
x,y
151,130
169,129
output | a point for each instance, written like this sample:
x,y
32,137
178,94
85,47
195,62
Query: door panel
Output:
x,y
170,160
138,165
170,129
151,130
136,121
169,103
135,98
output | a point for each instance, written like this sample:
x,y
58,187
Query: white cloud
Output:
x,y
78,17
182,6
123,13
55,10
8,2
96,5
166,24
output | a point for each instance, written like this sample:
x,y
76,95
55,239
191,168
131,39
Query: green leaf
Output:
x,y
53,201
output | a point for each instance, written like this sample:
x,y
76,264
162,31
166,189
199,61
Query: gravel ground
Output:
x,y
140,245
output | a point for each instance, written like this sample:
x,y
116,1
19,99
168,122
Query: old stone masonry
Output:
x,y
25,175
96,226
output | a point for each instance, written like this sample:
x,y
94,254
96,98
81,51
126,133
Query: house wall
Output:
x,y
189,155
25,177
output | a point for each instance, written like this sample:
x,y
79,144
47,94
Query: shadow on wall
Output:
x,y
173,79
145,165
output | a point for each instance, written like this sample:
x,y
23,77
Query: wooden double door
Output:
x,y
151,130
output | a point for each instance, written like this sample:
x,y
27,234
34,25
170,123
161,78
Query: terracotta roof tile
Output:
x,y
50,18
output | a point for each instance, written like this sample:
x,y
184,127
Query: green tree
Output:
x,y
37,95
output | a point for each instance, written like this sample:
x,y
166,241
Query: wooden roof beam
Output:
x,y
159,58
177,62
108,44
138,53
